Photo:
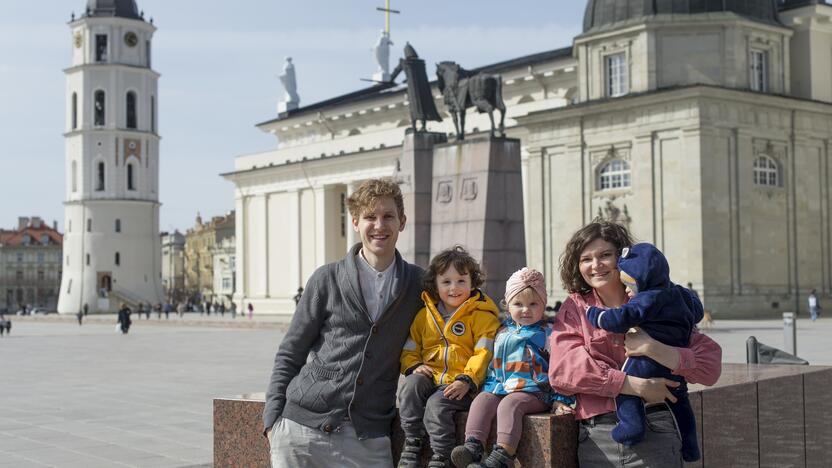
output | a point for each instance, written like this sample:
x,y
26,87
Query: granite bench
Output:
x,y
755,416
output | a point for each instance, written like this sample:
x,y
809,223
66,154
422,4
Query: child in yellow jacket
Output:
x,y
446,356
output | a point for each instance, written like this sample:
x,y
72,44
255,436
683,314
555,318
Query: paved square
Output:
x,y
87,396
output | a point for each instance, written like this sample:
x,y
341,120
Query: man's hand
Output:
x,y
457,390
424,370
652,391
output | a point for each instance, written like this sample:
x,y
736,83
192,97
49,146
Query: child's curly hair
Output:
x,y
462,262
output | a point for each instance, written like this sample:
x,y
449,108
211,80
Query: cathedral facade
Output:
x,y
111,245
702,126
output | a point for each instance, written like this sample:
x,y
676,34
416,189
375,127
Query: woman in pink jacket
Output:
x,y
586,361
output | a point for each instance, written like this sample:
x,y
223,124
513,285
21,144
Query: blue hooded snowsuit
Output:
x,y
668,313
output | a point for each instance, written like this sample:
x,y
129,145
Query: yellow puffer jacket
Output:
x,y
463,345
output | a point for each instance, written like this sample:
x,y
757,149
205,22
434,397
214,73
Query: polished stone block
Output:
x,y
781,425
755,416
729,426
238,436
818,409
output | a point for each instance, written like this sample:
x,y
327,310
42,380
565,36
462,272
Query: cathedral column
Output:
x,y
351,239
241,262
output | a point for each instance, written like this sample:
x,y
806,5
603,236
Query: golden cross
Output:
x,y
387,12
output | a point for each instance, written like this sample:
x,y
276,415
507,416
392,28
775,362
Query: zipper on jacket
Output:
x,y
447,345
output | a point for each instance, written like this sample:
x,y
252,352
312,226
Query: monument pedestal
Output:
x,y
416,173
478,204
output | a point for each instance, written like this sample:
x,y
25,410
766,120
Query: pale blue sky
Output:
x,y
219,62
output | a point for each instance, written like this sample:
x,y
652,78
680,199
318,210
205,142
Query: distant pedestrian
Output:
x,y
158,309
168,308
80,316
233,307
140,309
222,310
86,309
180,309
207,308
814,305
250,311
124,318
693,291
2,324
147,312
298,295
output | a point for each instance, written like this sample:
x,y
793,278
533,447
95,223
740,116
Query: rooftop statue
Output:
x,y
422,106
381,52
291,100
462,89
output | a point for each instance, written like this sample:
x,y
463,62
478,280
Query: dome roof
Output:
x,y
607,13
118,8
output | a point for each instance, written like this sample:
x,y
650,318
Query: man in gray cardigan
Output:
x,y
332,395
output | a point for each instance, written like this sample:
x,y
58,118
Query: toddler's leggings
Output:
x,y
509,410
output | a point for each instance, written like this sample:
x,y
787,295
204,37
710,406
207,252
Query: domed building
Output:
x,y
702,125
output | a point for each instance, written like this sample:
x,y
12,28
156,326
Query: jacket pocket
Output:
x,y
314,387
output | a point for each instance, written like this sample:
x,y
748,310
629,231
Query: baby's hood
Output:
x,y
647,265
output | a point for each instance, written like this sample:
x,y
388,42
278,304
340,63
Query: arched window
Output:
x,y
614,175
131,177
118,259
99,180
766,172
152,113
131,109
99,108
74,176
74,111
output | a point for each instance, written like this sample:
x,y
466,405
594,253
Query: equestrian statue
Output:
x,y
463,88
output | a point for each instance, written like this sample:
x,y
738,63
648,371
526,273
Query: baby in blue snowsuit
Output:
x,y
668,313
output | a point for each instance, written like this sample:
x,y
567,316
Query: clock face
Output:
x,y
79,39
131,39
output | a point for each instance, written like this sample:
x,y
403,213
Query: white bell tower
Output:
x,y
112,252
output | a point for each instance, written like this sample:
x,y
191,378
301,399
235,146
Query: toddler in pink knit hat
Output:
x,y
517,382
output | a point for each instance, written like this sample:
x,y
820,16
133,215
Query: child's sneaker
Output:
x,y
439,461
464,455
411,452
498,458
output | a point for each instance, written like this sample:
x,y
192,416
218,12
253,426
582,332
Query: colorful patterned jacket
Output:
x,y
459,349
521,362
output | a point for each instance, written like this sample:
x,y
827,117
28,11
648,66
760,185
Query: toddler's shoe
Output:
x,y
464,455
410,453
498,458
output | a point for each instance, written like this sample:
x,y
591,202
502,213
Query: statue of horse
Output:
x,y
463,88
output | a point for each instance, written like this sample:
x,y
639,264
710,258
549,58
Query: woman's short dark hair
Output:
x,y
570,259
462,262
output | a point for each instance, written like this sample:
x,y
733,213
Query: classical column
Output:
x,y
351,239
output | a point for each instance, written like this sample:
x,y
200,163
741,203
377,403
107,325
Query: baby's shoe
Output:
x,y
464,455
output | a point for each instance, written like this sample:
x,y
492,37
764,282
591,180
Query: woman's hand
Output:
x,y
560,408
638,343
652,391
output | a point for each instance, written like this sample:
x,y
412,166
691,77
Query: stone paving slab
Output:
x,y
87,396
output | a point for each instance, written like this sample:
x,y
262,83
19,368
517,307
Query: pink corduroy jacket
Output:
x,y
586,361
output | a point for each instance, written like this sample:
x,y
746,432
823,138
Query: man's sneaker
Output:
x,y
464,455
498,458
439,461
411,452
